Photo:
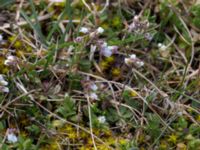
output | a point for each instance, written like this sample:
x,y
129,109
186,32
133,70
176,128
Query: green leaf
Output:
x,y
68,108
153,127
182,122
112,115
85,65
34,129
126,113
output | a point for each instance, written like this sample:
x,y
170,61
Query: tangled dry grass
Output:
x,y
99,75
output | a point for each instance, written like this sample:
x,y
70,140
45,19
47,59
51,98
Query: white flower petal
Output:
x,y
84,30
163,48
140,63
12,138
105,44
7,62
1,77
133,56
3,82
101,119
106,52
5,89
93,87
127,61
100,30
12,58
1,37
93,96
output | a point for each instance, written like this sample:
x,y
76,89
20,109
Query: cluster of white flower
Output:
x,y
86,30
93,88
148,36
162,47
3,85
106,50
137,25
11,60
11,137
100,30
92,34
101,119
132,59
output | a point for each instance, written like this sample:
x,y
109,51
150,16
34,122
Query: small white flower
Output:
x,y
130,60
1,77
84,30
10,60
105,44
100,30
93,96
106,52
101,119
133,56
1,37
7,62
160,44
180,113
79,39
148,36
11,137
3,82
162,47
136,18
113,48
127,61
132,26
4,89
93,87
140,63
133,60
93,48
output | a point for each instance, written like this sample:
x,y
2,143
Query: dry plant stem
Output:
x,y
194,73
17,98
18,10
21,23
4,139
90,120
188,31
86,5
105,6
163,94
144,8
113,94
190,117
89,8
